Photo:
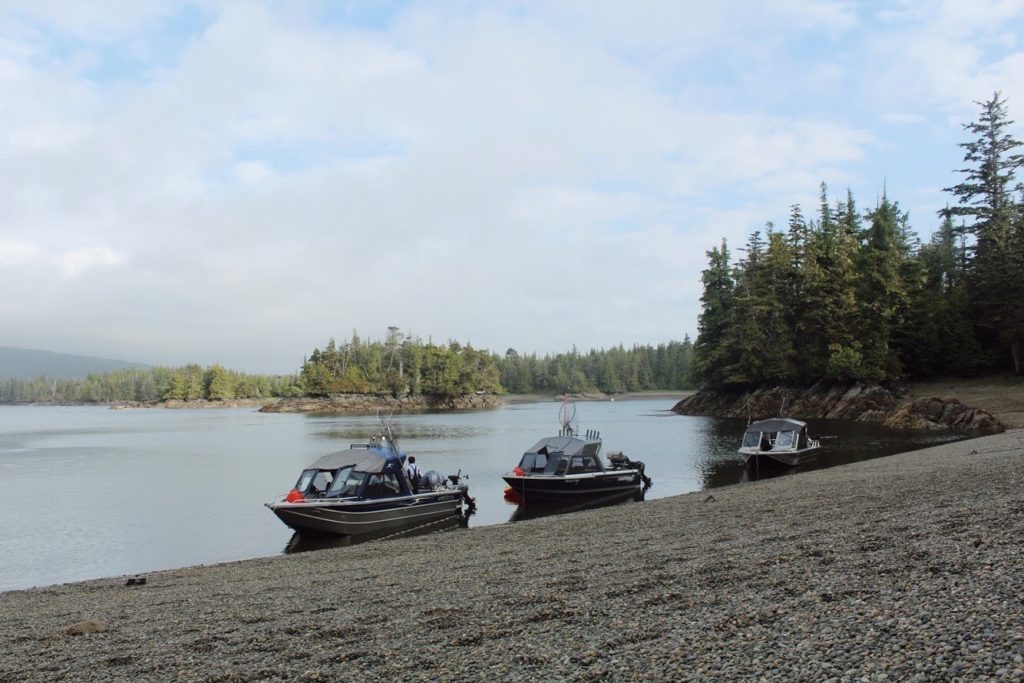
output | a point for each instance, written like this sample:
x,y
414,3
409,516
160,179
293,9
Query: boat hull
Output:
x,y
356,517
776,458
574,486
544,508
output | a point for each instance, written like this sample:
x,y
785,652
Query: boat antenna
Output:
x,y
567,414
386,430
782,409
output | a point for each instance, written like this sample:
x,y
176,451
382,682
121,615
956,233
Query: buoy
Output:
x,y
518,471
295,497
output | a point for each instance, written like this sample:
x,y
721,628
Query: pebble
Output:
x,y
866,572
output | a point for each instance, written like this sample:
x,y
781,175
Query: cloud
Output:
x,y
247,180
72,263
16,252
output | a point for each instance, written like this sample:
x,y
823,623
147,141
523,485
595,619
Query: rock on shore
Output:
x,y
843,401
903,568
368,404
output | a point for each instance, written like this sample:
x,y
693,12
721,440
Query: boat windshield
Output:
x,y
305,479
534,462
314,482
344,484
383,485
347,483
751,439
785,439
581,463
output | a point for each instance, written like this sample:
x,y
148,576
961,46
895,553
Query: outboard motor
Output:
x,y
463,488
618,460
431,481
643,477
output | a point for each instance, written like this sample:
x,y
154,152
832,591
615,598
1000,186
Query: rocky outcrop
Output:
x,y
193,403
938,413
368,404
840,401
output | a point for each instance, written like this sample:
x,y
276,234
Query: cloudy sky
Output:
x,y
238,182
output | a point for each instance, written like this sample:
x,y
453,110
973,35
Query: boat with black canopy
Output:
x,y
779,440
569,467
365,490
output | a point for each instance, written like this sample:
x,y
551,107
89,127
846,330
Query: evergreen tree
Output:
x,y
991,219
881,291
710,353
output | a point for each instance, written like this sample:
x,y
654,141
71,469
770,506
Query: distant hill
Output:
x,y
30,363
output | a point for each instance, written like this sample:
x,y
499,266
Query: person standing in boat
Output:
x,y
413,471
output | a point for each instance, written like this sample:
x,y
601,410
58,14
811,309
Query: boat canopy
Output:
x,y
776,424
563,455
567,445
369,460
776,434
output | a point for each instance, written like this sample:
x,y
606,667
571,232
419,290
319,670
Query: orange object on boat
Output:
x,y
512,496
295,497
518,471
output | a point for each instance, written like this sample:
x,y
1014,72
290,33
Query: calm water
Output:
x,y
87,492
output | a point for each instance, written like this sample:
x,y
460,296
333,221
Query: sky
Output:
x,y
239,182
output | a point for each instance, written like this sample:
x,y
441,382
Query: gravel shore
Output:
x,y
908,567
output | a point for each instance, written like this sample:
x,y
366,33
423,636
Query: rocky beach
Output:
x,y
907,567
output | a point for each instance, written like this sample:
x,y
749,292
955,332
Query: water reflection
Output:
x,y
525,511
843,442
300,543
407,429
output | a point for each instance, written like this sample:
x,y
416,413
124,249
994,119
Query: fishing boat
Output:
x,y
569,467
366,491
781,440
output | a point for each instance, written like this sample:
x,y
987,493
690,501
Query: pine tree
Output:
x,y
986,202
710,353
881,292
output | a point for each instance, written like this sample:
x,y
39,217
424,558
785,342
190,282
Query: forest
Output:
x,y
149,385
403,365
845,295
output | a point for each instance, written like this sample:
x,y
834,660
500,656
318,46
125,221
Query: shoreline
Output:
x,y
506,399
906,565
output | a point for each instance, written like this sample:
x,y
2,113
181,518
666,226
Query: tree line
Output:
x,y
403,364
187,383
642,367
400,365
846,295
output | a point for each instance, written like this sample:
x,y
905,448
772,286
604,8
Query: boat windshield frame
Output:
x,y
346,483
784,439
558,463
780,440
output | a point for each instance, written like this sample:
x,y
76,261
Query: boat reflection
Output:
x,y
534,510
300,543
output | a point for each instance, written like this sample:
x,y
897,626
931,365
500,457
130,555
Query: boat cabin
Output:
x,y
777,434
560,455
359,472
